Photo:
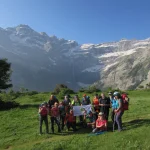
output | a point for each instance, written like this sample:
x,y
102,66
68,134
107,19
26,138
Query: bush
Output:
x,y
58,88
91,89
82,90
6,103
32,93
141,87
61,90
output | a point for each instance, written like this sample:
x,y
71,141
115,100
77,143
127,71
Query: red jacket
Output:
x,y
70,118
100,122
54,112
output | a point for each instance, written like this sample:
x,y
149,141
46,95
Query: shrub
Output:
x,y
6,103
58,88
91,89
141,87
32,93
61,90
65,91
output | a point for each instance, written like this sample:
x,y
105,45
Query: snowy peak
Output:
x,y
66,61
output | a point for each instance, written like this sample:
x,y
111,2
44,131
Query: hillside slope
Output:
x,y
19,128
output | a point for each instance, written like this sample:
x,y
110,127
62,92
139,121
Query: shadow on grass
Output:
x,y
136,123
71,132
6,105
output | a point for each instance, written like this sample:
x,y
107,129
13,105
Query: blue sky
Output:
x,y
86,21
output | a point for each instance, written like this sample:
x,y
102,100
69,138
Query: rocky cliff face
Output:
x,y
39,61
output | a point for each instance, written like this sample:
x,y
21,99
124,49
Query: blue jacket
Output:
x,y
114,103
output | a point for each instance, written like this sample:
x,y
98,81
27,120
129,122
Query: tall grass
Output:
x,y
19,128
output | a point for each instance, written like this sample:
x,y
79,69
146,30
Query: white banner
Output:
x,y
81,110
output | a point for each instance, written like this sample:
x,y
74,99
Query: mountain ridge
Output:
x,y
40,61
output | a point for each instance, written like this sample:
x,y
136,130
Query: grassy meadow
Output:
x,y
19,128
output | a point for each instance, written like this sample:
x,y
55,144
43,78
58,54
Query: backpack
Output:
x,y
43,111
125,101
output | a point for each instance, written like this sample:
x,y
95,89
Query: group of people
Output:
x,y
61,112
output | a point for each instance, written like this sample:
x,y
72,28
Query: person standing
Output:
x,y
62,114
43,113
55,117
104,104
119,111
67,103
76,102
52,101
96,105
70,121
113,104
85,100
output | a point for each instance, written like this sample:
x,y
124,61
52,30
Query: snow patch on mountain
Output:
x,y
121,53
95,68
105,45
110,65
142,43
86,46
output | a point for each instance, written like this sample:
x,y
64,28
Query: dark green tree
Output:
x,y
5,73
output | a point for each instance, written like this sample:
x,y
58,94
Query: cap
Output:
x,y
100,114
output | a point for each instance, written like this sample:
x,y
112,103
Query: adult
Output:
x,y
85,100
55,117
104,104
119,110
52,101
67,103
76,102
113,104
43,113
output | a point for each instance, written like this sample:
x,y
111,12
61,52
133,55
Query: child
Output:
x,y
62,114
43,112
101,123
92,119
96,105
55,116
70,120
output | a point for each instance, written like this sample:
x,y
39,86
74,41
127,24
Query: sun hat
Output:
x,y
100,114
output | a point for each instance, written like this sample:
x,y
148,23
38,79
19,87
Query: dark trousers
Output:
x,y
72,125
112,115
107,114
62,119
119,119
45,119
81,118
54,119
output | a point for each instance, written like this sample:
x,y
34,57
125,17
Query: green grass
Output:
x,y
19,128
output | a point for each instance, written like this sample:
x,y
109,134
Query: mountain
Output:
x,y
39,61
